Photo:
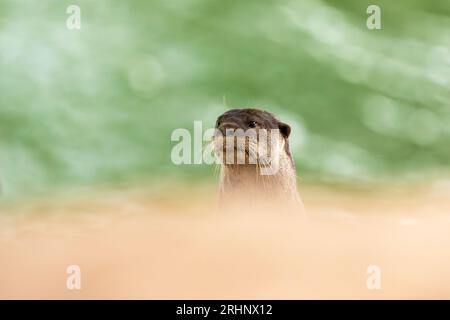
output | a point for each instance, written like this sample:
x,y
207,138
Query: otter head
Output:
x,y
250,137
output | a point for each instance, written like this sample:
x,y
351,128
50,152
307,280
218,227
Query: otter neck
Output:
x,y
248,181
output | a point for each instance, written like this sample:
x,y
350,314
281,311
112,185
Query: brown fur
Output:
x,y
245,182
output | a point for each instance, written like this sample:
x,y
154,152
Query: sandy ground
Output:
x,y
136,244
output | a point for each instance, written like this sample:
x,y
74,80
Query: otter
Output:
x,y
256,162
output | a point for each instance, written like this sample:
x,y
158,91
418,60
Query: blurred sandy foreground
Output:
x,y
175,245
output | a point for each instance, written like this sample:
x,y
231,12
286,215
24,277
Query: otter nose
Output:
x,y
227,128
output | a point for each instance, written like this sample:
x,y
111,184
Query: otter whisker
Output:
x,y
259,177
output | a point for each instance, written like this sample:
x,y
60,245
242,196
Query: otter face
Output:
x,y
250,136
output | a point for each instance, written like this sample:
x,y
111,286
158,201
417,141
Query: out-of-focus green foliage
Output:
x,y
98,105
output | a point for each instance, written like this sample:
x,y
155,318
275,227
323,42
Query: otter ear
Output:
x,y
285,129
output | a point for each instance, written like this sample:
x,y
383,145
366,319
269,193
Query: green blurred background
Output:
x,y
96,107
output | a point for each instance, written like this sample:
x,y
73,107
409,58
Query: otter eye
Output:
x,y
252,124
